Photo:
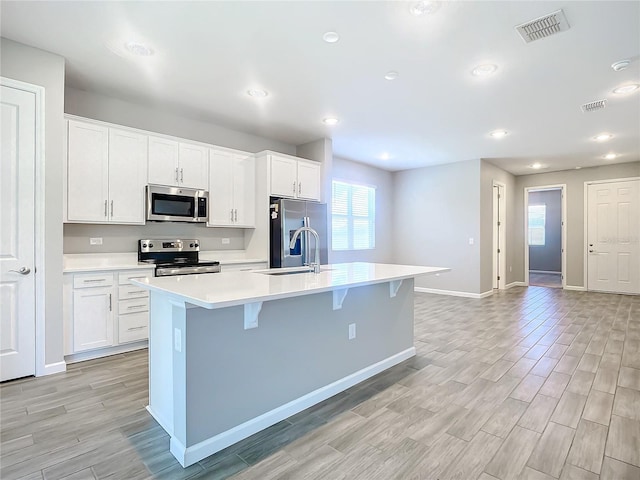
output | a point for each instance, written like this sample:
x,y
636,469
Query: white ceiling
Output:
x,y
209,53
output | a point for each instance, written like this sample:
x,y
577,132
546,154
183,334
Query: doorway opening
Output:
x,y
545,236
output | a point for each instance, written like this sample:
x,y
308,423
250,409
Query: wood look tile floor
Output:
x,y
531,383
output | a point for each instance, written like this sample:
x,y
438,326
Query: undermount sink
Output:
x,y
289,270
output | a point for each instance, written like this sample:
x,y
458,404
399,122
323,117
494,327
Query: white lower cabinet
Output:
x,y
104,310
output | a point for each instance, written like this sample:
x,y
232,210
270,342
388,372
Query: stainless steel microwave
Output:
x,y
176,204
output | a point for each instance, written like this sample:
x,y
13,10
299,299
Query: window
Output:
x,y
352,216
537,219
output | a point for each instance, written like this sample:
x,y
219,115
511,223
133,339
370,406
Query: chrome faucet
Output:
x,y
292,244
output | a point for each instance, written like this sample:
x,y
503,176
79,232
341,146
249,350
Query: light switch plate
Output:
x,y
471,241
352,331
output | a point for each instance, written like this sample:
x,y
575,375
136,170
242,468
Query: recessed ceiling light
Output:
x,y
424,7
139,49
603,137
621,65
330,120
578,168
536,166
385,156
484,70
498,133
391,75
632,87
610,156
257,93
331,37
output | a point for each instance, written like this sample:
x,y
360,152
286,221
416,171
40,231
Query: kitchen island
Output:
x,y
233,353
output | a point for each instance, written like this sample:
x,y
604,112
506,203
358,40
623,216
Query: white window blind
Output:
x,y
352,216
537,222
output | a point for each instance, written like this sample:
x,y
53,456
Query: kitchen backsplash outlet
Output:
x,y
78,237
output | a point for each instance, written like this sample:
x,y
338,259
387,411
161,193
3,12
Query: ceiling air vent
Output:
x,y
593,106
543,27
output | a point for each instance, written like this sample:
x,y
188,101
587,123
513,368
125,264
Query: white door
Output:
x,y
194,166
127,176
87,172
244,190
163,161
17,233
283,177
309,180
221,189
613,234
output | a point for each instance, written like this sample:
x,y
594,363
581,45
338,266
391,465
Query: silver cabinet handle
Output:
x,y
232,214
131,329
105,208
109,302
299,188
112,208
131,292
181,175
132,307
94,281
22,271
294,187
236,215
176,174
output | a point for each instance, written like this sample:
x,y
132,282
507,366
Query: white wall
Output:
x,y
45,69
354,172
436,210
574,179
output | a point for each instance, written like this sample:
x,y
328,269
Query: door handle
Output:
x,y
22,271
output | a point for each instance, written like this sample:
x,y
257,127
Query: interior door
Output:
x,y
613,233
17,233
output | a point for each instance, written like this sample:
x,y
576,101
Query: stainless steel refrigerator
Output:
x,y
286,217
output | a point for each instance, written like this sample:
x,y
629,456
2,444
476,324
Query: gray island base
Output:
x,y
219,375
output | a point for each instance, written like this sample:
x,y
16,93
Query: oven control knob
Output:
x,y
144,245
196,245
191,245
151,245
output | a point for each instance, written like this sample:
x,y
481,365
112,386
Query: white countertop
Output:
x,y
87,262
220,290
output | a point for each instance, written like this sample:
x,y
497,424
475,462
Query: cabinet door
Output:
x,y
87,172
193,166
283,177
163,161
244,190
127,176
92,318
221,189
309,180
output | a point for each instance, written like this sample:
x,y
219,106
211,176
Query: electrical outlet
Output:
x,y
226,241
177,340
352,331
95,241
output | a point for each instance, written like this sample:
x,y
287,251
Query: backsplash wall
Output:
x,y
124,238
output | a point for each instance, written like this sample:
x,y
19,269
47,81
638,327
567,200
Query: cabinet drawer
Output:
x,y
123,278
86,280
133,305
131,291
133,327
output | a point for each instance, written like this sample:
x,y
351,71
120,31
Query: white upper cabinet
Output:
x,y
87,172
177,164
294,178
231,189
309,180
127,176
106,174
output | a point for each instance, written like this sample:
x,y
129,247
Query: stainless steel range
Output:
x,y
175,257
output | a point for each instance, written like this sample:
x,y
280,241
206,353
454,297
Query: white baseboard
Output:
x,y
51,368
163,423
575,288
545,271
515,284
106,352
454,293
190,455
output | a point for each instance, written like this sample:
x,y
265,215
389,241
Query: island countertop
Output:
x,y
221,290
